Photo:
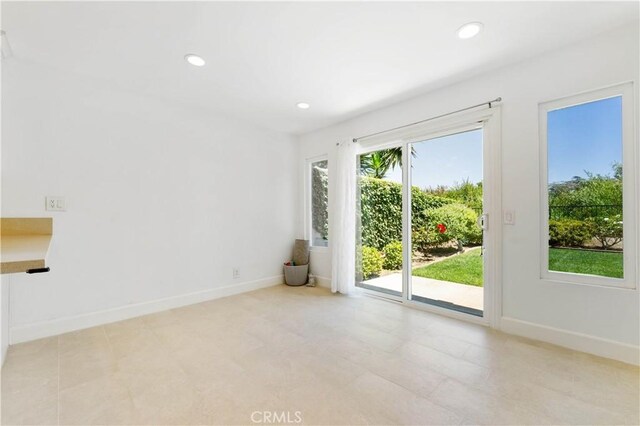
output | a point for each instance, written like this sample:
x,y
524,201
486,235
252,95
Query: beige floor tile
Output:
x,y
207,370
463,371
29,409
90,338
32,367
418,378
85,363
620,392
169,399
161,318
480,407
446,344
141,341
376,394
308,355
218,409
177,336
374,337
36,348
126,328
103,401
333,371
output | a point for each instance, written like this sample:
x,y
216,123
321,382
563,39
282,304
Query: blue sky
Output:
x,y
584,137
446,160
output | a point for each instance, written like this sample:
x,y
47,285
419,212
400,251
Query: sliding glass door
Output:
x,y
446,225
422,223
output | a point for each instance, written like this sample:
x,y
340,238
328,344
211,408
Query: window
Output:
x,y
318,203
588,227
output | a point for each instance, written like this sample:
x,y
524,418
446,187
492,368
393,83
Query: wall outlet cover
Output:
x,y
55,204
509,217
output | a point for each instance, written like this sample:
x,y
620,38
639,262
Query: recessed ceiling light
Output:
x,y
303,105
469,30
194,60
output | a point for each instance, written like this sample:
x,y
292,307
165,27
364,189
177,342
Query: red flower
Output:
x,y
441,228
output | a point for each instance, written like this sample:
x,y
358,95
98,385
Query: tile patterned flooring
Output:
x,y
305,353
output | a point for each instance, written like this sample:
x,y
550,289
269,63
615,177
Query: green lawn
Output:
x,y
466,268
463,268
586,262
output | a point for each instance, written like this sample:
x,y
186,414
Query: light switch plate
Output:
x,y
509,217
55,204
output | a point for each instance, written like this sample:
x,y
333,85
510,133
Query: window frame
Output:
x,y
308,217
629,197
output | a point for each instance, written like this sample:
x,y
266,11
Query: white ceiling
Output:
x,y
262,58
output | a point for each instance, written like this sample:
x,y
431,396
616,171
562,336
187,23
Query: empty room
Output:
x,y
320,213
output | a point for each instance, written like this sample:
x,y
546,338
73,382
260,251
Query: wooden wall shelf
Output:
x,y
24,244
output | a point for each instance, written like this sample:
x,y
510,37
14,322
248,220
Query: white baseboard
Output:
x,y
629,354
27,332
323,282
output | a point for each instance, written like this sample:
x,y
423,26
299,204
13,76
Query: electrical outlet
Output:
x,y
509,217
236,273
56,204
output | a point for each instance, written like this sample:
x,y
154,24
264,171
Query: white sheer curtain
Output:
x,y
343,223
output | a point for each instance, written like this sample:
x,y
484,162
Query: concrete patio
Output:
x,y
458,294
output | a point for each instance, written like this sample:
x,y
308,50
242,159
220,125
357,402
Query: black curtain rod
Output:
x,y
428,119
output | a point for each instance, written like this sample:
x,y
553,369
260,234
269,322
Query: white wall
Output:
x,y
592,316
162,200
4,286
4,318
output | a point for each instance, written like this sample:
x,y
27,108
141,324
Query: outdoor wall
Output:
x,y
591,318
162,200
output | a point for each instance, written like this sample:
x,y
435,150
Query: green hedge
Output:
x,y
320,198
381,210
453,222
569,232
371,262
393,256
577,233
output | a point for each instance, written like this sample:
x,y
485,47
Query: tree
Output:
x,y
617,171
607,230
377,164
594,196
467,193
374,165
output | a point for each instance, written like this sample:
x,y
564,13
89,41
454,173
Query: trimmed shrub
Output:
x,y
607,230
423,239
393,255
371,262
569,232
381,210
451,222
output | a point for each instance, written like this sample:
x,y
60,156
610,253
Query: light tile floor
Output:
x,y
305,353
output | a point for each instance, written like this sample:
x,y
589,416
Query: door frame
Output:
x,y
489,119
366,149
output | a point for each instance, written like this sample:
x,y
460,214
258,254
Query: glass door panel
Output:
x,y
379,217
447,201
